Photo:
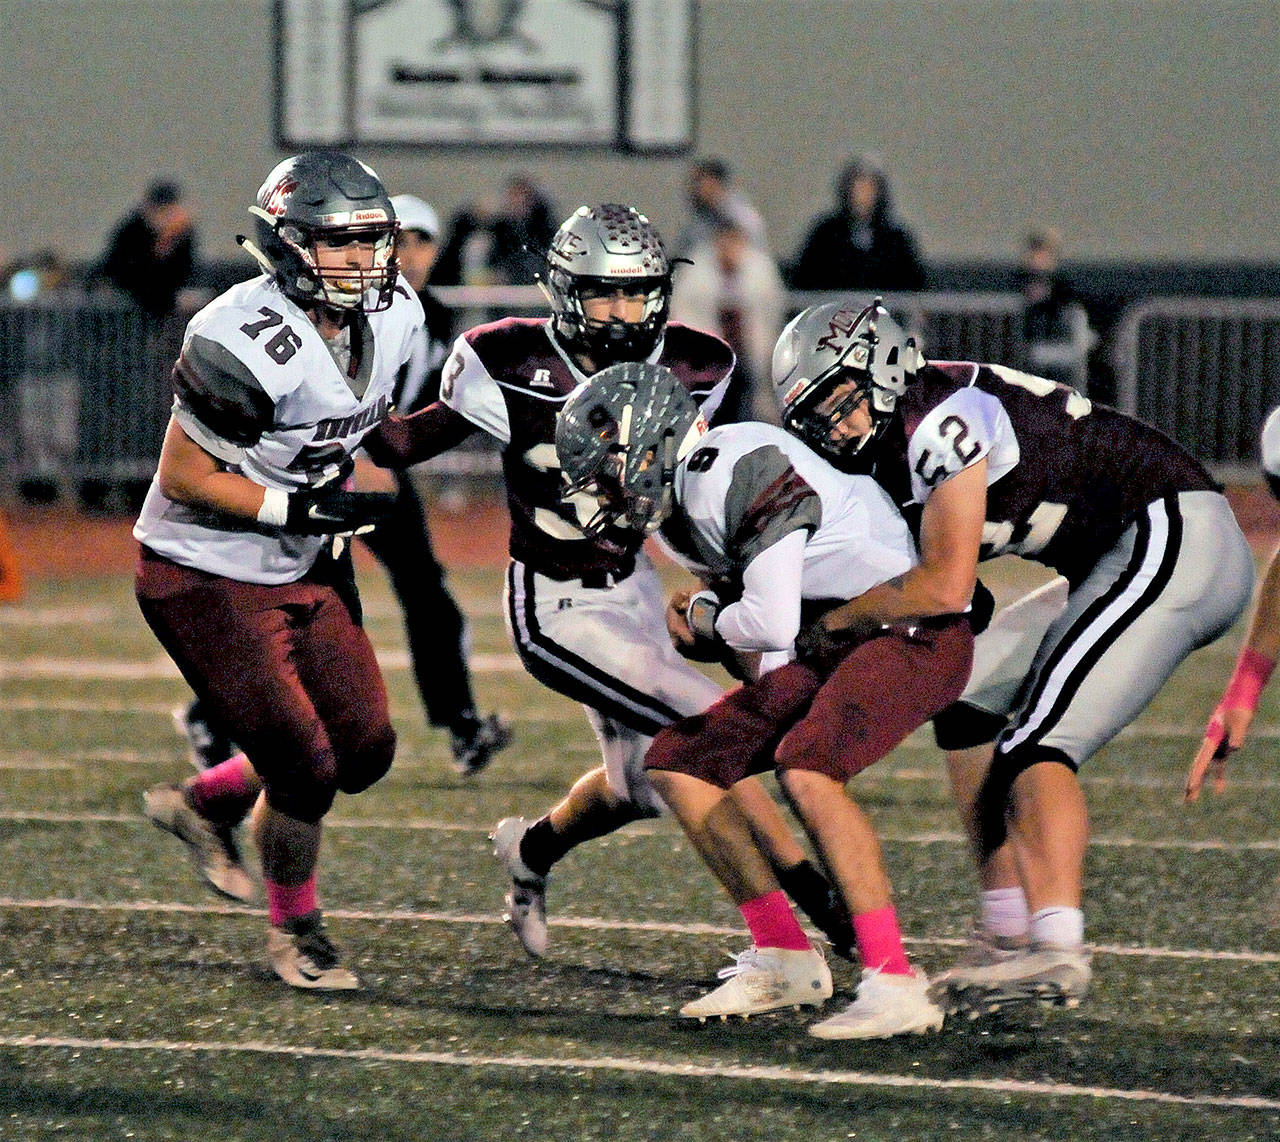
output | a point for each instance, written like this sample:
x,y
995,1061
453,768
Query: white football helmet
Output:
x,y
827,345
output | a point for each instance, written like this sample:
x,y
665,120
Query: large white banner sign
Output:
x,y
605,73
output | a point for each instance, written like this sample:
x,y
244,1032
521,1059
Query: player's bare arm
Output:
x,y
943,581
1229,725
189,475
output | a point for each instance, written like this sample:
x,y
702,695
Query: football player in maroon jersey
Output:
x,y
997,461
584,605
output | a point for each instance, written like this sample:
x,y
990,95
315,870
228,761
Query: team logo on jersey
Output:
x,y
343,426
278,199
839,330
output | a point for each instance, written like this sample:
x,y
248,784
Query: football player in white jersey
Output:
x,y
278,381
774,530
1153,565
584,604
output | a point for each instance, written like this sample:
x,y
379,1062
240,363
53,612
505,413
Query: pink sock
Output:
x,y
226,792
880,941
287,902
772,924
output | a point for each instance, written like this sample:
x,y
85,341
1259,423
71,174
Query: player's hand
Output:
x,y
689,642
678,620
1224,734
325,511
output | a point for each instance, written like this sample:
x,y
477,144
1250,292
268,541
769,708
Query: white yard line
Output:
x,y
582,923
639,829
605,1063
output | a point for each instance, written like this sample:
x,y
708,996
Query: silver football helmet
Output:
x,y
598,249
828,345
323,197
619,438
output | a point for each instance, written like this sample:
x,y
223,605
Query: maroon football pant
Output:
x,y
286,669
836,723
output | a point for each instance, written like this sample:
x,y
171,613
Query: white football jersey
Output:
x,y
257,387
747,486
958,432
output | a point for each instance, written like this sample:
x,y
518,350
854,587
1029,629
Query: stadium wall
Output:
x,y
1144,130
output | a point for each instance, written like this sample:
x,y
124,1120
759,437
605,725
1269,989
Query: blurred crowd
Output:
x,y
731,279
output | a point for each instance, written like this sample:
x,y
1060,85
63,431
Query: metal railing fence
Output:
x,y
1204,370
85,394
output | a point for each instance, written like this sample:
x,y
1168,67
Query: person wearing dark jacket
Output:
x,y
860,245
151,253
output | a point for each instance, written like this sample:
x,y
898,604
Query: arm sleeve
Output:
x,y
399,441
767,617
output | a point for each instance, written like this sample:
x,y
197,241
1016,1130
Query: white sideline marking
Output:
x,y
775,1074
582,923
638,829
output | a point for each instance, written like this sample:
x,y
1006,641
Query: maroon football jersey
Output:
x,y
1065,475
511,379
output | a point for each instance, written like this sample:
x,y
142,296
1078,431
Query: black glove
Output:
x,y
981,607
321,511
822,648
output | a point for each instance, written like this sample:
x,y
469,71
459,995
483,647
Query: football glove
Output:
x,y
325,511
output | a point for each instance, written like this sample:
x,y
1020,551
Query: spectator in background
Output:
x,y
712,198
860,245
151,253
522,232
733,288
465,255
435,627
1055,325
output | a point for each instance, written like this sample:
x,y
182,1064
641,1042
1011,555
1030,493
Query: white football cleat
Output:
x,y
1054,974
765,979
885,1005
527,901
212,847
303,956
984,949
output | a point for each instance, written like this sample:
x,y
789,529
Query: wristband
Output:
x,y
275,507
1251,674
701,614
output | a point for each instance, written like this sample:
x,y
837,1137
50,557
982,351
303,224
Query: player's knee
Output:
x,y
962,726
994,798
305,798
803,788
367,763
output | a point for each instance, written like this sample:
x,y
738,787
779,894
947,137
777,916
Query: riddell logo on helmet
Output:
x,y
277,200
369,216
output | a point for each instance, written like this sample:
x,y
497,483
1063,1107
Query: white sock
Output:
x,y
1059,925
1004,911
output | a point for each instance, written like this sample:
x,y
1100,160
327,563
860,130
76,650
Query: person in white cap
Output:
x,y
435,627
